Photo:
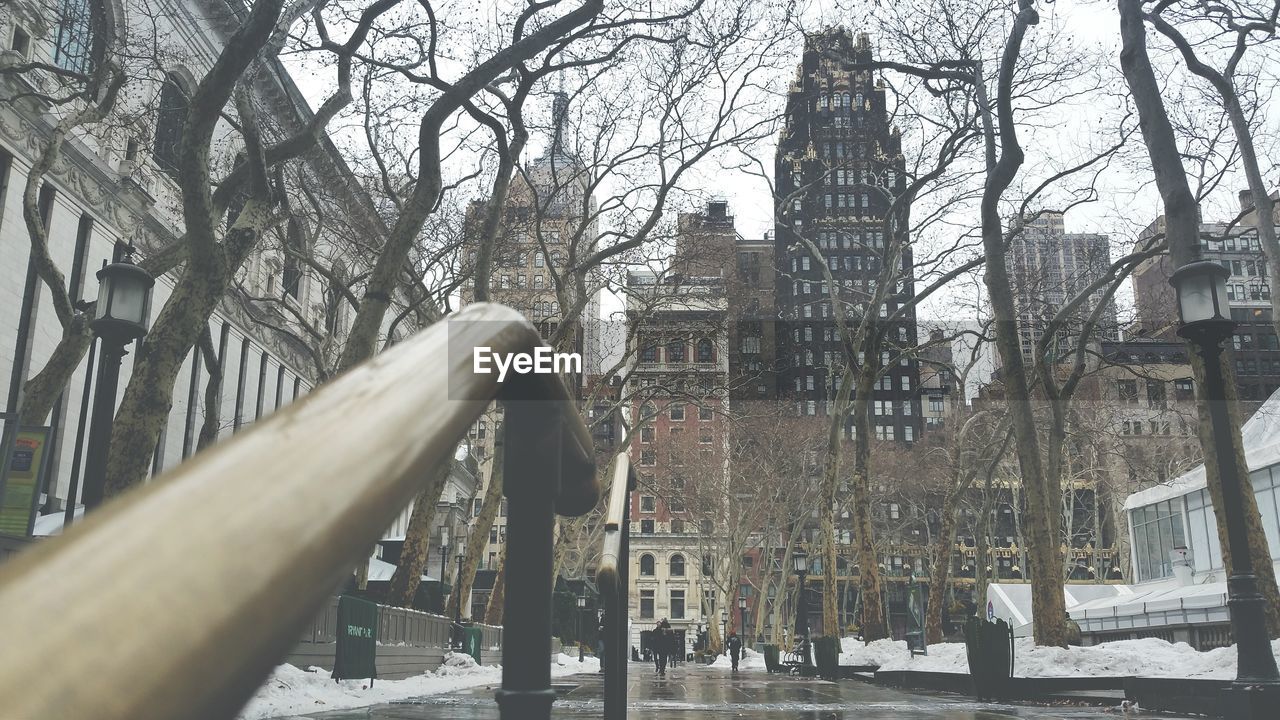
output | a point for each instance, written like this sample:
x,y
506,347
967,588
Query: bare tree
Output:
x,y
1182,229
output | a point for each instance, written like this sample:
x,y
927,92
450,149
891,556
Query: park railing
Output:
x,y
178,598
611,578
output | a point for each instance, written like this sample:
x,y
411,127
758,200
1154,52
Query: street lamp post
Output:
x,y
120,317
1201,289
457,606
800,563
742,615
444,552
582,607
724,628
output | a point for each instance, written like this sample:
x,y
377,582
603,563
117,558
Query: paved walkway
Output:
x,y
690,692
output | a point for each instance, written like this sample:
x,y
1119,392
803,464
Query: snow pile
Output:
x,y
750,660
568,664
1149,657
291,691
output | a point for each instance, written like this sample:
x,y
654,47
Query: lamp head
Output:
x,y
1203,305
124,293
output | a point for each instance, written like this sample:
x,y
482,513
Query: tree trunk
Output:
x,y
497,598
209,429
149,394
478,538
1182,231
874,623
940,572
827,507
403,587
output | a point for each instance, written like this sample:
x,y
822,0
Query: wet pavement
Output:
x,y
690,692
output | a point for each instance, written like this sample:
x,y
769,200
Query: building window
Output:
x,y
646,604
704,350
646,434
74,45
648,503
677,411
646,527
675,351
646,565
677,565
170,120
677,604
1157,530
1127,391
647,457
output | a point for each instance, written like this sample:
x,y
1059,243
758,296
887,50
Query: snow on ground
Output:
x,y
1150,657
750,660
291,691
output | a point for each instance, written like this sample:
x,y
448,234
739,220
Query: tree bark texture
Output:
x,y
873,622
478,538
827,508
403,587
498,598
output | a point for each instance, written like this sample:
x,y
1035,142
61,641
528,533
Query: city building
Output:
x,y
1047,268
114,185
1255,349
546,222
837,171
938,397
679,445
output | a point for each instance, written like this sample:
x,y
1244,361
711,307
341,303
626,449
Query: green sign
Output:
x,y
357,647
23,475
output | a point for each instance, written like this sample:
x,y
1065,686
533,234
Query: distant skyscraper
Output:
x,y
838,166
1048,267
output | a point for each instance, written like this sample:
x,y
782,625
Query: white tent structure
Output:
x,y
1180,592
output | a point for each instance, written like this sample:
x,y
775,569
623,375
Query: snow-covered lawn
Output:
x,y
1149,657
750,660
292,691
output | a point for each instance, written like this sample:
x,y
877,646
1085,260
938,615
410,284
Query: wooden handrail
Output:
x,y
611,578
177,599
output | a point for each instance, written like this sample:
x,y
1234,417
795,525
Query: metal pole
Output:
x,y
802,616
74,486
533,471
1255,663
580,611
104,410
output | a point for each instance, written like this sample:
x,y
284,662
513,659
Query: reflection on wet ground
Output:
x,y
691,692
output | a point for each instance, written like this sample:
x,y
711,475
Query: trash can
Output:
x,y
472,641
826,654
771,662
989,647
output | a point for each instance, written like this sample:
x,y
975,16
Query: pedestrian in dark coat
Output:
x,y
661,640
734,643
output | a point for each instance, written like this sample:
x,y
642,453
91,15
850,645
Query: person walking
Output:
x,y
734,644
660,641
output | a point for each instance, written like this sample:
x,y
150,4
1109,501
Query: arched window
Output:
x,y
704,350
677,565
73,47
675,351
170,119
646,565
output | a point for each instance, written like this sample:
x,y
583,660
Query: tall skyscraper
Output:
x,y
1048,267
838,168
